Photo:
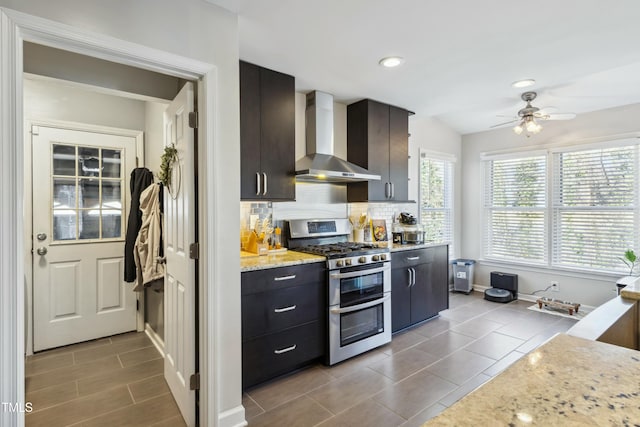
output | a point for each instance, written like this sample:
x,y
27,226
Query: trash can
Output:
x,y
463,275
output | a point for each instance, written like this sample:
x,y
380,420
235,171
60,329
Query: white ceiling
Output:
x,y
461,55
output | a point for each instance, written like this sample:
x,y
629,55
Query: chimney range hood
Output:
x,y
320,165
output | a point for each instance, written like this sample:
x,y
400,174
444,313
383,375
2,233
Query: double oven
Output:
x,y
358,286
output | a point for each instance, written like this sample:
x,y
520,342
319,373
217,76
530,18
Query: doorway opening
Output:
x,y
71,102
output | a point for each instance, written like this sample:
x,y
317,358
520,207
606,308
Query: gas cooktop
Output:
x,y
343,249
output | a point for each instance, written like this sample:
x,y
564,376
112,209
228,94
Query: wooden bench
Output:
x,y
564,305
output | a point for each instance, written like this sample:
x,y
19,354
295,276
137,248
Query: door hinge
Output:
x,y
193,119
194,250
137,305
194,381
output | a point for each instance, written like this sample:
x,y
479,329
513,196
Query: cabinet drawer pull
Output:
x,y
257,183
285,350
282,310
281,278
413,258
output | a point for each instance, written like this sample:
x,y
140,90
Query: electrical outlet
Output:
x,y
555,287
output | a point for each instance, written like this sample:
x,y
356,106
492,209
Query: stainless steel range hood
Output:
x,y
320,165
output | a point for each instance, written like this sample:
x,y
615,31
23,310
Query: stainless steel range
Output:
x,y
359,285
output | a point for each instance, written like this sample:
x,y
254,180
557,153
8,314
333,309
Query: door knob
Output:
x,y
41,236
42,251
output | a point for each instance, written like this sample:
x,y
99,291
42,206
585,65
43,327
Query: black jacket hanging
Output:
x,y
141,178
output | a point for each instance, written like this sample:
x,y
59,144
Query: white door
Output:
x,y
179,233
80,196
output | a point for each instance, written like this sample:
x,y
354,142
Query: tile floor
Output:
x,y
420,373
115,381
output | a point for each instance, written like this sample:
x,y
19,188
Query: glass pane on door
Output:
x,y
111,163
64,160
88,161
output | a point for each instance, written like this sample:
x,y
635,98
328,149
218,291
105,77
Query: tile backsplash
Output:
x,y
252,211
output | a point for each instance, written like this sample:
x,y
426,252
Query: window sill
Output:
x,y
569,272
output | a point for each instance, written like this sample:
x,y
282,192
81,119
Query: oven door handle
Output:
x,y
360,306
360,272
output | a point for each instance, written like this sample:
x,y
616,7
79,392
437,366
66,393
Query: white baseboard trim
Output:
x,y
155,338
232,417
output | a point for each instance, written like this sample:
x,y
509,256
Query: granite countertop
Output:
x,y
632,290
397,247
567,381
254,262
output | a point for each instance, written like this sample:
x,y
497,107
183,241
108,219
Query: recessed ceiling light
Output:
x,y
523,83
391,61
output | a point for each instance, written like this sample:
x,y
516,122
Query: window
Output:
x,y
595,206
574,208
436,197
515,205
87,198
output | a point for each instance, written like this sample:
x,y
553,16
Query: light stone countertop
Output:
x,y
568,381
631,291
397,247
263,262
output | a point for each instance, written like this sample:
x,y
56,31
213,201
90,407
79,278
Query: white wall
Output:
x,y
60,101
585,289
204,32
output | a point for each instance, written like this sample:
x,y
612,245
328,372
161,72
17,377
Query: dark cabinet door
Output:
x,y
439,290
378,130
249,131
377,139
421,292
277,147
400,299
399,153
267,134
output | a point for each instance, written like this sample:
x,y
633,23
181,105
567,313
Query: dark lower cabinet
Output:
x,y
283,320
419,285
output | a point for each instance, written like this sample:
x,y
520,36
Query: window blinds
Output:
x,y
595,207
436,199
515,201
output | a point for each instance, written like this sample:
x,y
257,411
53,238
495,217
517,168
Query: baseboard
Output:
x,y
232,417
155,338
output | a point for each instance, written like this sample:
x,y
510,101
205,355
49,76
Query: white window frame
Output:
x,y
449,185
550,225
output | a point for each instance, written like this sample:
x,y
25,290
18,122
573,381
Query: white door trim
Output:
x,y
28,212
16,27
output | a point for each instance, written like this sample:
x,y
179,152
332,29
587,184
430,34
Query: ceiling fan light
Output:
x,y
518,128
532,126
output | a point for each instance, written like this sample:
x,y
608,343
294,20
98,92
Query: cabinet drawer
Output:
x,y
282,277
275,354
272,311
412,258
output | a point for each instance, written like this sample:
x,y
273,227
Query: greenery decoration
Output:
x,y
630,259
169,156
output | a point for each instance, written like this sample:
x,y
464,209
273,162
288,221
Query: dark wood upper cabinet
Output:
x,y
378,140
267,134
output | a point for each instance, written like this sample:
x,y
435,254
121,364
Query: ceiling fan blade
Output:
x,y
559,116
507,117
502,124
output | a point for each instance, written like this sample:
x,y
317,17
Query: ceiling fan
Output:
x,y
528,116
